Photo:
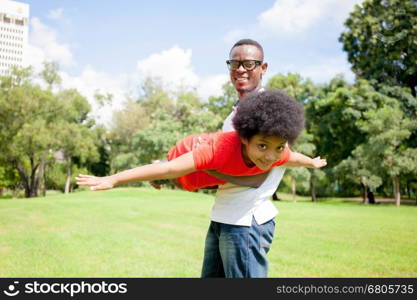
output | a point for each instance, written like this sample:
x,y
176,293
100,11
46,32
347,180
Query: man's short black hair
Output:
x,y
248,42
269,112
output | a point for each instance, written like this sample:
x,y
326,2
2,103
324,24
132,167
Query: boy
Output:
x,y
265,122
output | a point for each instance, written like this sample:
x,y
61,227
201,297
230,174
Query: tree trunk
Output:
x,y
397,193
313,187
408,190
364,191
43,188
68,181
29,183
41,175
371,197
293,188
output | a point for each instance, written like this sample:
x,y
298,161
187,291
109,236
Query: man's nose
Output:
x,y
241,69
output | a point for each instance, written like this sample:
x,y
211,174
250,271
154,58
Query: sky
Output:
x,y
111,46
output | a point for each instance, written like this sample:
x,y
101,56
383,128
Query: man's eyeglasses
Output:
x,y
249,65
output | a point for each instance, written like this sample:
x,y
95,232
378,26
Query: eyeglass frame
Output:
x,y
257,63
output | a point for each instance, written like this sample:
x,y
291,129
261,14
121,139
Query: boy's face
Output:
x,y
262,150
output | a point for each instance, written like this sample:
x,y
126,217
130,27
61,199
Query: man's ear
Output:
x,y
264,67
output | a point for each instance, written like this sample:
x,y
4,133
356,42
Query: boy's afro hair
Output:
x,y
269,112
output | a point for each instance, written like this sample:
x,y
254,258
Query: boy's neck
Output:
x,y
245,157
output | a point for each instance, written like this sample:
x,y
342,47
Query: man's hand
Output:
x,y
155,185
95,183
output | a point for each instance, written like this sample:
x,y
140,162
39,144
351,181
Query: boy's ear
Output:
x,y
244,141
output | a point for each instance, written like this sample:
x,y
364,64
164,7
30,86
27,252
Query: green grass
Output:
x,y
149,233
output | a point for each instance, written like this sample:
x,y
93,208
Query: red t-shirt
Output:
x,y
220,151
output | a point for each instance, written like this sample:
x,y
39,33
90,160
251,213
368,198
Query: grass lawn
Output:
x,y
149,233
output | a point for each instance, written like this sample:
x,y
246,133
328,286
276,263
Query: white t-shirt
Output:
x,y
236,204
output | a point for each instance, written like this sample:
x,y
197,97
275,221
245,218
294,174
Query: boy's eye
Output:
x,y
262,146
281,148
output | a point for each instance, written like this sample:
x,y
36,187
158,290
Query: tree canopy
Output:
x,y
381,42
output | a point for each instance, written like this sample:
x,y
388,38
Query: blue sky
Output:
x,y
112,45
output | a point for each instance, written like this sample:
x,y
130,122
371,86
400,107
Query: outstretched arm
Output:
x,y
249,181
167,170
301,160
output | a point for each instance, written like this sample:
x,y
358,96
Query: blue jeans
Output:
x,y
234,251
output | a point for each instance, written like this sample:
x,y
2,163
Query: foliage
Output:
x,y
166,128
302,90
381,42
222,106
145,130
50,73
35,123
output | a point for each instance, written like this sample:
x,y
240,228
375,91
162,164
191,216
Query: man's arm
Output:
x,y
301,160
177,167
249,181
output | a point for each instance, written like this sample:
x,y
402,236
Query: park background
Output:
x,y
75,110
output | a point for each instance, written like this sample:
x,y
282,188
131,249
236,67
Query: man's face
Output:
x,y
263,151
243,80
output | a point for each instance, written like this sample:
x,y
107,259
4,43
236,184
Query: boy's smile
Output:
x,y
262,150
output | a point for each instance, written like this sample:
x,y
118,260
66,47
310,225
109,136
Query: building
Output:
x,y
14,24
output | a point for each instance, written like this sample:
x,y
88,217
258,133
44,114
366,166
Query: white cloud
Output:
x,y
320,70
90,81
44,45
174,68
234,35
211,86
293,17
55,14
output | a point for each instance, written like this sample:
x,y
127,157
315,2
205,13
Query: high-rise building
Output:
x,y
14,23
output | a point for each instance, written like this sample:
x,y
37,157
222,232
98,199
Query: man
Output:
x,y
242,221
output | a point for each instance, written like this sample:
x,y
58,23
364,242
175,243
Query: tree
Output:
x,y
304,91
26,135
76,139
9,178
358,168
154,96
333,120
50,73
385,149
168,127
222,105
301,175
381,42
35,123
126,122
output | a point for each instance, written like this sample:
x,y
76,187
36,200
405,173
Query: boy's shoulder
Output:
x,y
217,149
226,145
226,140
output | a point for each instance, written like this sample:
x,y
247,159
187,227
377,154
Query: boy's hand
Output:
x,y
95,183
318,162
